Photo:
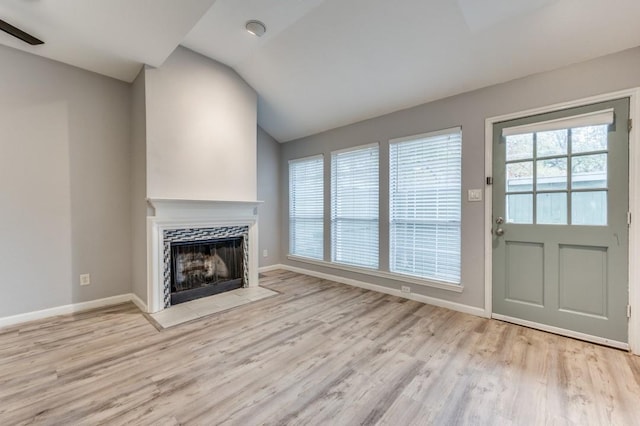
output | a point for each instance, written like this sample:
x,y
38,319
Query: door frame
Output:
x,y
634,207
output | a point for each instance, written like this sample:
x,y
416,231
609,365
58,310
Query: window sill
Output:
x,y
381,274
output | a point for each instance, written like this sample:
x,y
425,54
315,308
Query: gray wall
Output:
x,y
139,188
64,180
469,110
269,192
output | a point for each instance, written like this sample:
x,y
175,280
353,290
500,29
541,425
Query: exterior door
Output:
x,y
560,220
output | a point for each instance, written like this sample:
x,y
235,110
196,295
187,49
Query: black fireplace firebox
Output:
x,y
204,268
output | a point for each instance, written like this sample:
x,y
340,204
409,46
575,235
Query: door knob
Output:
x,y
499,232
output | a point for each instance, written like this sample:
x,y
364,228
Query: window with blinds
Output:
x,y
354,206
306,207
425,203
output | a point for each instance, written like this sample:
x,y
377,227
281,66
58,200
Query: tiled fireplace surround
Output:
x,y
196,220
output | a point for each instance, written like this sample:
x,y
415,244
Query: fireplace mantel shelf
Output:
x,y
160,202
177,208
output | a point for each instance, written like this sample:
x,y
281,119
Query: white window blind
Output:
x,y
354,206
425,203
306,207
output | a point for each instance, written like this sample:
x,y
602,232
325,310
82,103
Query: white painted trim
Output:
x,y
457,129
634,201
175,206
392,291
138,302
457,288
270,268
356,148
563,332
309,158
596,118
488,218
68,309
634,229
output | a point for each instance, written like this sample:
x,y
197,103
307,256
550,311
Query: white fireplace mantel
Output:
x,y
172,214
171,207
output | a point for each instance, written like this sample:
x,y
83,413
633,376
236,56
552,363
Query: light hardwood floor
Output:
x,y
320,353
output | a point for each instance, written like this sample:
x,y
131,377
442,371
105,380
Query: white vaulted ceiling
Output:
x,y
110,37
327,63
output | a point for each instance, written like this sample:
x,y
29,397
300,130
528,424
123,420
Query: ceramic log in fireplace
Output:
x,y
204,268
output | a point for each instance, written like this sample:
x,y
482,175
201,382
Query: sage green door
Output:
x,y
560,221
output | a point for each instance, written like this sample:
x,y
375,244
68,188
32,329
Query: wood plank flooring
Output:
x,y
321,353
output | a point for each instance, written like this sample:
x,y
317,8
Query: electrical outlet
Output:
x,y
85,279
406,289
265,253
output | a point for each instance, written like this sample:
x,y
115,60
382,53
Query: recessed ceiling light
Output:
x,y
256,28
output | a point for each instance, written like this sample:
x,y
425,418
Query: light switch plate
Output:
x,y
474,195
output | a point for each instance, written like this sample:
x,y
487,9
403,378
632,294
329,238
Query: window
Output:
x,y
306,207
556,171
424,205
354,206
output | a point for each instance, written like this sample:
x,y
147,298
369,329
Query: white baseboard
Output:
x,y
72,308
138,302
270,268
472,310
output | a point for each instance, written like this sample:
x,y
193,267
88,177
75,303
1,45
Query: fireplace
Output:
x,y
200,262
200,247
205,268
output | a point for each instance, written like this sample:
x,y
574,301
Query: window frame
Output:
x,y
412,138
382,271
332,219
291,217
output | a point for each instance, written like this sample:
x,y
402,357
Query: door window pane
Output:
x,y
551,143
587,139
589,171
520,176
546,164
520,208
589,208
519,147
552,208
552,174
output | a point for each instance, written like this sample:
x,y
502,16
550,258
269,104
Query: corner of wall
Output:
x,y
268,165
139,186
